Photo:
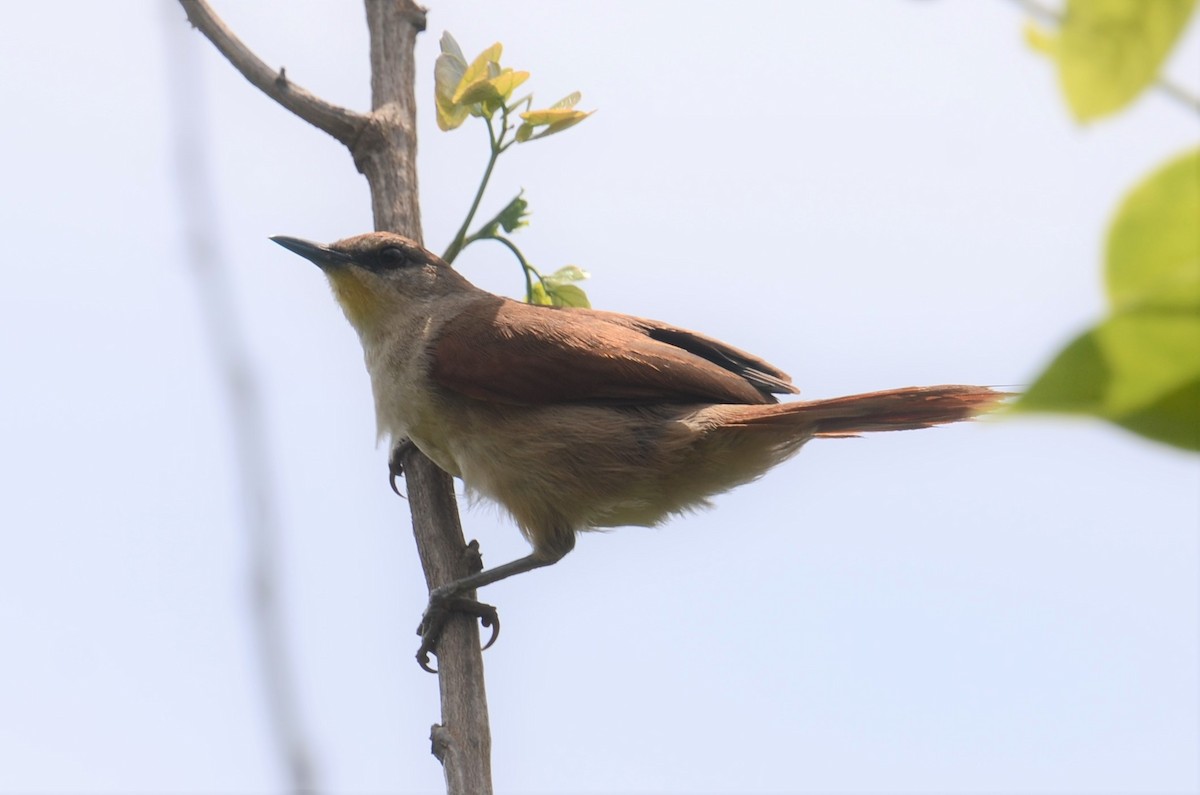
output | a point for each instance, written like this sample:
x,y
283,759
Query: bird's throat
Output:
x,y
361,305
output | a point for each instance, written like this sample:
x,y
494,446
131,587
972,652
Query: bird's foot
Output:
x,y
396,463
442,603
446,600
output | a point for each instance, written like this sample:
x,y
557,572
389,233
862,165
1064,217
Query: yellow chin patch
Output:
x,y
359,302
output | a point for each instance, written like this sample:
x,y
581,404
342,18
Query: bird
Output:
x,y
575,419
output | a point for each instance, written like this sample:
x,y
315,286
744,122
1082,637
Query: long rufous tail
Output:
x,y
902,409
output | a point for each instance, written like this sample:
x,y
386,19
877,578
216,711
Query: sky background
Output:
x,y
867,194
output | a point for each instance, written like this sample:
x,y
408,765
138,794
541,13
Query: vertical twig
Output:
x,y
386,155
383,144
247,429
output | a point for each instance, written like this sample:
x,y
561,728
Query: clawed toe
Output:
x,y
396,465
441,605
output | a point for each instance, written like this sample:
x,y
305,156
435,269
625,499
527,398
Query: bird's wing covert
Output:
x,y
516,353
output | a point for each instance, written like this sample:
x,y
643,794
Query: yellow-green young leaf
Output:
x,y
569,101
555,120
479,91
507,82
524,132
1109,50
569,295
559,126
551,116
1138,369
480,69
1039,40
1153,255
448,70
494,89
537,295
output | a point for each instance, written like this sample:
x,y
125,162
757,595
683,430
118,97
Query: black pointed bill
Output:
x,y
321,255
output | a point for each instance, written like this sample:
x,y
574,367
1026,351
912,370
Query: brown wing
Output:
x,y
765,376
511,352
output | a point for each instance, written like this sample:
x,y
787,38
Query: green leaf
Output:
x,y
1108,51
557,290
566,275
1171,419
569,295
1153,255
1138,369
510,219
1152,353
513,216
1076,381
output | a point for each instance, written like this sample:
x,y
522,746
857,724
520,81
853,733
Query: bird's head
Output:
x,y
379,275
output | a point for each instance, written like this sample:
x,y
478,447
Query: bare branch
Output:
x,y
386,155
341,123
386,152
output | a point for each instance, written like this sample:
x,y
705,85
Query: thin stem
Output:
x,y
1178,93
1036,9
460,238
488,228
525,266
504,130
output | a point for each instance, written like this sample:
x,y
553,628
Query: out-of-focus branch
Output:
x,y
247,429
339,122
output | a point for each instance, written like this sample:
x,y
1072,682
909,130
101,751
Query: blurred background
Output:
x,y
868,194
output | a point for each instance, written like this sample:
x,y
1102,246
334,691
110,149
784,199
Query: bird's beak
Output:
x,y
320,255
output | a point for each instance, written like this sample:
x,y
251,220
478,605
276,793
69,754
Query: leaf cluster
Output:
x,y
1139,367
484,89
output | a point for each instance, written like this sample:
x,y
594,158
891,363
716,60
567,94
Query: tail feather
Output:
x,y
908,408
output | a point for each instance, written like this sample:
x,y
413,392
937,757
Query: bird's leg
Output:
x,y
396,462
457,597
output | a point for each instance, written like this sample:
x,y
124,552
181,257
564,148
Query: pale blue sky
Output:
x,y
868,194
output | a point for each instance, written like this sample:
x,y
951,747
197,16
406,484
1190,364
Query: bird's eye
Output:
x,y
393,256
